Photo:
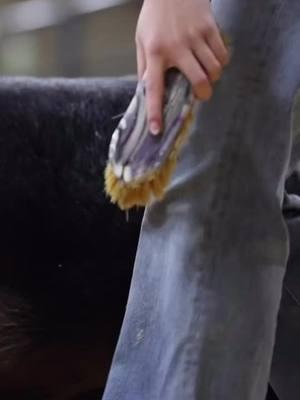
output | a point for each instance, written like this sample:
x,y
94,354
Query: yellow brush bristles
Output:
x,y
139,193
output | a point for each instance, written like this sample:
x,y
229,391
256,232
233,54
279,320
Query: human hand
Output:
x,y
181,34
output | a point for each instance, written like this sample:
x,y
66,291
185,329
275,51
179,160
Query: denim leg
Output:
x,y
202,311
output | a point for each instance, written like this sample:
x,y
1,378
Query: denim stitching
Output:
x,y
228,161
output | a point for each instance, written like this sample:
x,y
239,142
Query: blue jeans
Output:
x,y
202,311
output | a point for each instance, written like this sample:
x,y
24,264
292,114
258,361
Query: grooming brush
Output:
x,y
140,164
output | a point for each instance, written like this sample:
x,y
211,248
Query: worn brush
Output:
x,y
140,164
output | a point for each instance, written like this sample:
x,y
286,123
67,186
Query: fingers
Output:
x,y
214,40
209,62
204,63
194,72
200,78
154,93
200,56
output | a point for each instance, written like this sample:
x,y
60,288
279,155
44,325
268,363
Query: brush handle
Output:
x,y
134,152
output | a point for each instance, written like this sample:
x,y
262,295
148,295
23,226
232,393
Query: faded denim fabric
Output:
x,y
202,311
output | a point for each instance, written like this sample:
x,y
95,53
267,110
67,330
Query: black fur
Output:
x,y
66,252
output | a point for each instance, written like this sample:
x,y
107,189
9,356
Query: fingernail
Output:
x,y
204,93
154,128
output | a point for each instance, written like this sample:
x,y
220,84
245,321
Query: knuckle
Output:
x,y
166,49
155,47
193,34
208,28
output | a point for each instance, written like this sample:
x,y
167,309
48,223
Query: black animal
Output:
x,y
66,253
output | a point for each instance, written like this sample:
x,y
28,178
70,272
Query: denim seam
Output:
x,y
224,180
